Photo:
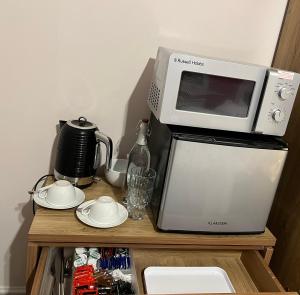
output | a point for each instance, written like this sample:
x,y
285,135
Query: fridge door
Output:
x,y
219,187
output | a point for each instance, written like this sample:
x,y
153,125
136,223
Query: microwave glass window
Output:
x,y
214,94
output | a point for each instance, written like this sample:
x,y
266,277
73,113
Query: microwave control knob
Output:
x,y
278,115
284,93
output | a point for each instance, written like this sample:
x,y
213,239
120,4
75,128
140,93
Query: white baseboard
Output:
x,y
12,290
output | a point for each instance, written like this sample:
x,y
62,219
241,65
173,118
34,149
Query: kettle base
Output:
x,y
76,181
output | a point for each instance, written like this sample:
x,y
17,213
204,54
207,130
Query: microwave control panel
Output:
x,y
277,102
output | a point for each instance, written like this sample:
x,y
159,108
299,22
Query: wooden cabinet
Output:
x,y
238,255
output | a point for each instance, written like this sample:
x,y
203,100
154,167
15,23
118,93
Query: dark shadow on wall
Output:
x,y
15,259
53,151
137,109
17,252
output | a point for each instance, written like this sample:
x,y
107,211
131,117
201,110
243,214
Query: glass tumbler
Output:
x,y
140,189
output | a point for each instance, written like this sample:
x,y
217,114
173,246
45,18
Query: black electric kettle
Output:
x,y
78,151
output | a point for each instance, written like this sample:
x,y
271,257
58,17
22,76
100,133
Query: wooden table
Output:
x,y
61,228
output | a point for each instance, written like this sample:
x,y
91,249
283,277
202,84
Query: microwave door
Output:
x,y
220,187
219,95
211,94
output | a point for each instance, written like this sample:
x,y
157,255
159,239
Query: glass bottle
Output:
x,y
139,156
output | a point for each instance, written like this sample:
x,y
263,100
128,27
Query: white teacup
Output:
x,y
59,193
104,210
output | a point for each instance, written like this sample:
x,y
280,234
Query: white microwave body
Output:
x,y
203,92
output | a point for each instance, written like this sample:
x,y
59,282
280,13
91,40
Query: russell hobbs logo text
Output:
x,y
188,62
217,222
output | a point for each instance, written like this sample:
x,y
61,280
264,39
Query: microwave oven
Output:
x,y
213,181
191,90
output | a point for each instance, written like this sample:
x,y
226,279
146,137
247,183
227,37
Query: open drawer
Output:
x,y
48,272
42,272
246,270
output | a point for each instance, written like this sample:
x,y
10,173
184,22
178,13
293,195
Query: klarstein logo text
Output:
x,y
217,222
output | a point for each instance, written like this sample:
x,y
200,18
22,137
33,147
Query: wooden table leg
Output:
x,y
267,254
31,263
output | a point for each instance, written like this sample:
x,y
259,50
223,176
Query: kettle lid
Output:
x,y
81,123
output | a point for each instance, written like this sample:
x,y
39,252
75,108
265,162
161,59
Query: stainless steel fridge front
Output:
x,y
219,188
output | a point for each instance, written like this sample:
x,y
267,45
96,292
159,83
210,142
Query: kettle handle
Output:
x,y
108,144
62,123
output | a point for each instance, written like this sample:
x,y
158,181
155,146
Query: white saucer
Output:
x,y
79,198
123,215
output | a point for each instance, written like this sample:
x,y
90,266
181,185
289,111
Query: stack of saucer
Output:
x,y
59,195
103,212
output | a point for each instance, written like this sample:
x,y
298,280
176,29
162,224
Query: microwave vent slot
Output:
x,y
154,96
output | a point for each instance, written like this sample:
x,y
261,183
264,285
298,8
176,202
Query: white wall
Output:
x,y
63,58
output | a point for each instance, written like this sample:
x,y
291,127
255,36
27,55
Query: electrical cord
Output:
x,y
35,188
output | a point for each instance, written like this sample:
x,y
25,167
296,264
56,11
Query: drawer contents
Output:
x,y
102,271
189,280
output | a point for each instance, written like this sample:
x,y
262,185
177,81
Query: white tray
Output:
x,y
178,280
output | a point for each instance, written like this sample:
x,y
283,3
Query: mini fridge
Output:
x,y
213,181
